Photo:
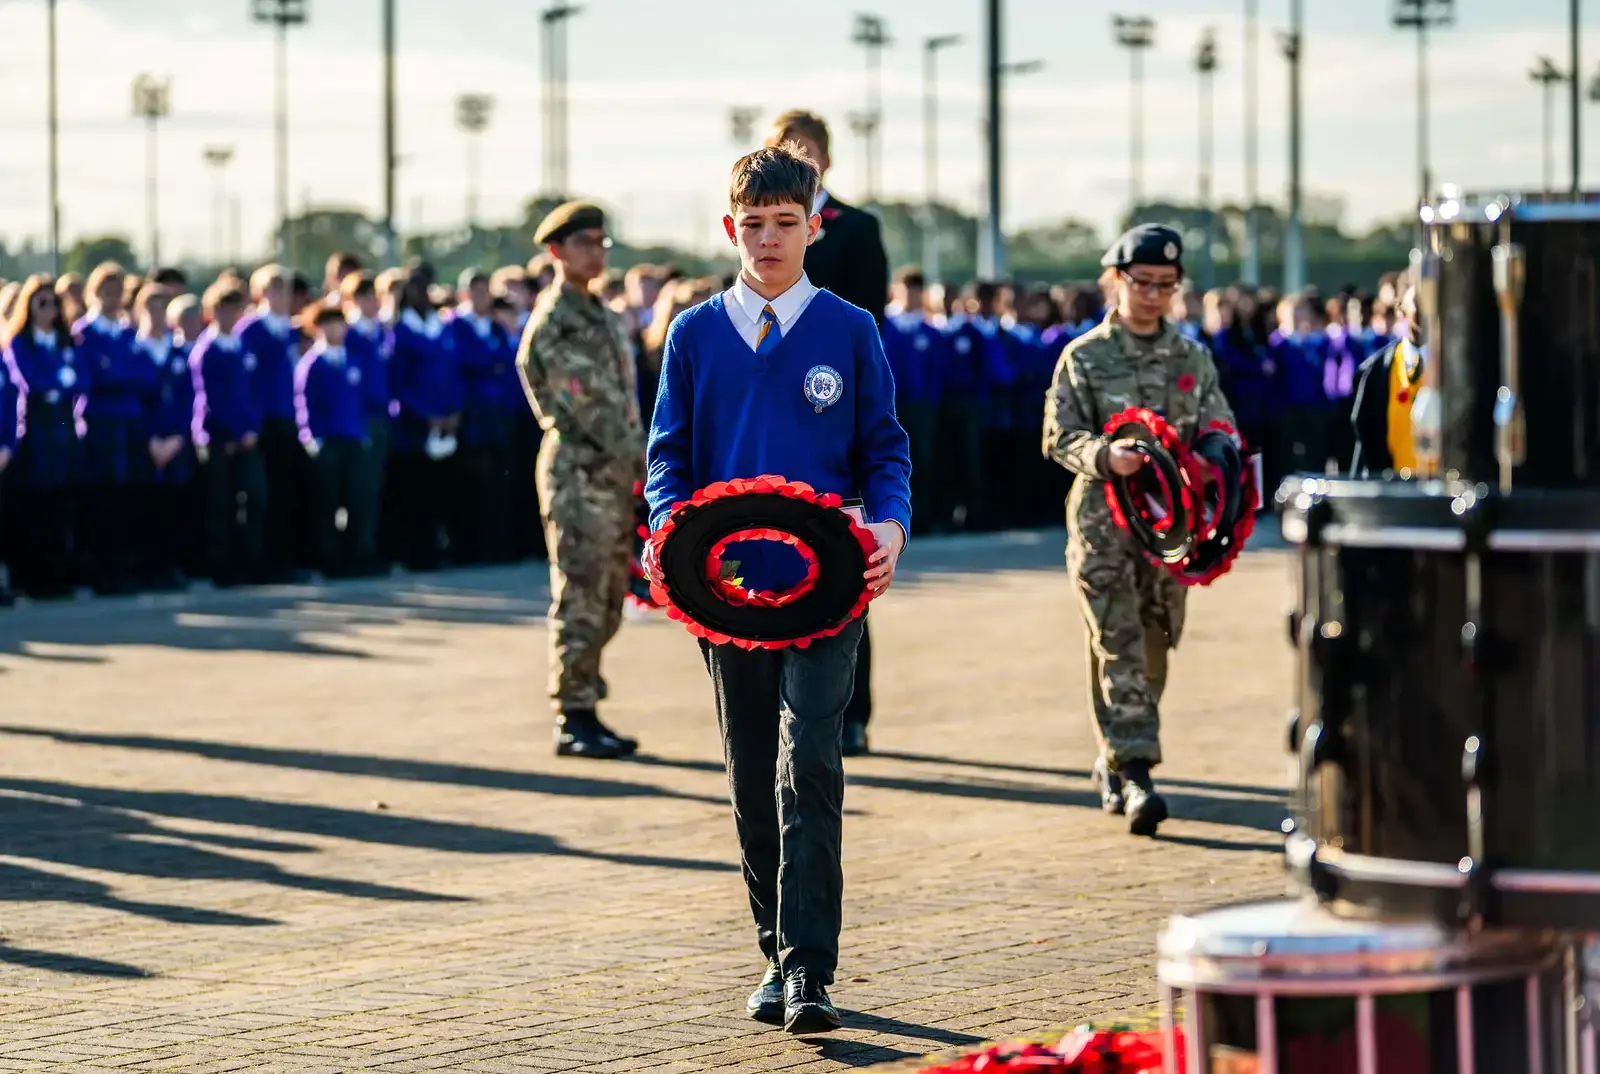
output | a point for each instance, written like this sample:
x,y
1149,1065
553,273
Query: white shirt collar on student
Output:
x,y
744,307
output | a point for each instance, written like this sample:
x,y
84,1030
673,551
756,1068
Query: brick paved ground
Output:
x,y
323,830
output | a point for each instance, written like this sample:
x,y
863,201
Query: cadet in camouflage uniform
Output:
x,y
578,372
1133,610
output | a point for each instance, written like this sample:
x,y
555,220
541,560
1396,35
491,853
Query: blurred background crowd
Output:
x,y
135,460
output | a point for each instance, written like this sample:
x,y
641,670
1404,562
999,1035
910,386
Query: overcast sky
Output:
x,y
652,80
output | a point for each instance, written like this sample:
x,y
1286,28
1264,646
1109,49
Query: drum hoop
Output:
x,y
1366,869
1208,976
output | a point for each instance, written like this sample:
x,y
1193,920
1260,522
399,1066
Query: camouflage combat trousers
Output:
x,y
588,513
1133,614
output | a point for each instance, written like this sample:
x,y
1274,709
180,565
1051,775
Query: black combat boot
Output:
x,y
579,734
626,747
1146,808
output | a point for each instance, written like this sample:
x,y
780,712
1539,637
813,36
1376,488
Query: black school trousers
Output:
x,y
781,713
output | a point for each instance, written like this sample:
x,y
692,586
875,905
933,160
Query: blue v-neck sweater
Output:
x,y
725,412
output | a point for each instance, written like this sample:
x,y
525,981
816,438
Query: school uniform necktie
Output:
x,y
771,335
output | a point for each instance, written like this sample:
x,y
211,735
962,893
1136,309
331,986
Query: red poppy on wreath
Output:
x,y
1186,383
830,213
1402,396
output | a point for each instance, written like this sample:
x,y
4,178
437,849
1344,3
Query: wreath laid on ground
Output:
x,y
1191,507
697,590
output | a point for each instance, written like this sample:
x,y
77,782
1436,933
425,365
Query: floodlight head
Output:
x,y
871,31
279,12
1205,56
1134,31
934,44
555,14
473,111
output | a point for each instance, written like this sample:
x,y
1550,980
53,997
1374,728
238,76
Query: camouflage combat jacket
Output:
x,y
577,370
1106,370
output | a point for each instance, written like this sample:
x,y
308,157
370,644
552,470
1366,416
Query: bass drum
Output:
x,y
1448,724
1287,987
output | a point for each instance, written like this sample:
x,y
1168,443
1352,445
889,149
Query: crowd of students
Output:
x,y
972,366
268,430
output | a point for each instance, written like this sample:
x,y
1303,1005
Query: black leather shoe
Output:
x,y
1109,785
766,1002
806,1006
626,747
578,734
855,740
1146,809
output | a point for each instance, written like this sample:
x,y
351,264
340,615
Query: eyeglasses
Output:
x,y
591,242
1150,287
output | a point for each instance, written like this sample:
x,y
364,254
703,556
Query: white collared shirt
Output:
x,y
157,347
744,307
822,199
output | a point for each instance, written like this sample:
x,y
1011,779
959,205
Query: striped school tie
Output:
x,y
771,335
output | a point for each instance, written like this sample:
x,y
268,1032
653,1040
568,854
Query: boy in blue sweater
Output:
x,y
776,377
331,416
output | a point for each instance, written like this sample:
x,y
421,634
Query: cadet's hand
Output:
x,y
248,441
1125,459
881,564
5,458
650,562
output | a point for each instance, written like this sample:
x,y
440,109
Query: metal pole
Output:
x,y
1136,148
53,121
151,199
874,136
1549,136
930,136
548,135
1573,67
991,251
558,48
1206,64
1294,269
219,211
390,163
285,245
1251,269
1423,168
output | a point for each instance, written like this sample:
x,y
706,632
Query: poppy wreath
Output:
x,y
1226,484
690,545
1083,1051
1191,508
639,594
1154,504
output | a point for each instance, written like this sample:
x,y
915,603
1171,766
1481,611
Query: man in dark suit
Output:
x,y
848,259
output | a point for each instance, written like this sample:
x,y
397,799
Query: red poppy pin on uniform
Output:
x,y
1186,383
830,214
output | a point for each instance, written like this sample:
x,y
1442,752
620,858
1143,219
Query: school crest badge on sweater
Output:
x,y
823,386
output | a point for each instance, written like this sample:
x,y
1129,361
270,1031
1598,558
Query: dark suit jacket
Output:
x,y
848,258
1370,414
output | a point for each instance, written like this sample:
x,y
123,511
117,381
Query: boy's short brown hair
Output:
x,y
776,175
327,313
808,125
227,291
358,284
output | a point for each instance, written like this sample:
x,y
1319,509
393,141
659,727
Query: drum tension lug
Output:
x,y
1477,895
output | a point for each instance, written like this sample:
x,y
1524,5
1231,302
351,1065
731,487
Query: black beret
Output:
x,y
1146,244
566,219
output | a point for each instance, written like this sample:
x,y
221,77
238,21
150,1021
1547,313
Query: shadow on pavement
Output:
x,y
45,960
1079,773
123,831
351,764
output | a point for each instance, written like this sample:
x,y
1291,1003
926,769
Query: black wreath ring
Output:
x,y
690,544
1153,503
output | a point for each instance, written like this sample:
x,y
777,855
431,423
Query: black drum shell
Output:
x,y
1558,331
1396,681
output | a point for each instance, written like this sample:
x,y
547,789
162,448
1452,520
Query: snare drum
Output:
x,y
1448,729
1508,305
1287,986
